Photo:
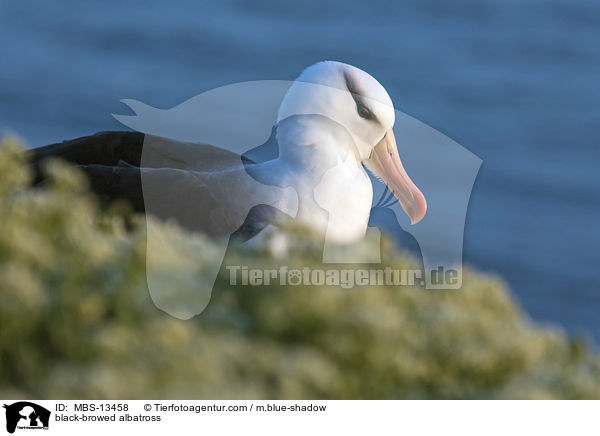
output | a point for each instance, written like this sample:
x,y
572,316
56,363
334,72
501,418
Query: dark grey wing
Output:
x,y
111,183
112,160
202,187
159,152
137,149
183,196
103,148
215,203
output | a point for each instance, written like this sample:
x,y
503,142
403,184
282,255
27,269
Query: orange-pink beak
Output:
x,y
386,162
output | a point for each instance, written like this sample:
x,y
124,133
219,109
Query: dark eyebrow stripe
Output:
x,y
356,96
351,85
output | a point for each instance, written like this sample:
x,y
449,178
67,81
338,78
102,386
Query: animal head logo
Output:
x,y
26,415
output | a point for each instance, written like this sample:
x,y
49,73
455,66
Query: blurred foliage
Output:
x,y
77,320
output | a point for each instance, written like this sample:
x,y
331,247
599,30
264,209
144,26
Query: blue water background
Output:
x,y
516,82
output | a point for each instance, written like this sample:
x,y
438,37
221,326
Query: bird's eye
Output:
x,y
364,112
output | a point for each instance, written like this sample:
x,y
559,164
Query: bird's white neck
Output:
x,y
317,158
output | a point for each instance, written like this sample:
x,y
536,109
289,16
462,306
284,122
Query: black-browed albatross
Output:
x,y
334,121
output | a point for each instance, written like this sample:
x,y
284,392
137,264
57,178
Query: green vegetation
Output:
x,y
76,320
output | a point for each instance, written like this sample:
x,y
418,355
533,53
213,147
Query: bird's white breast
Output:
x,y
319,159
345,192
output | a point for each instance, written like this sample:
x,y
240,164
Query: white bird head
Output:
x,y
358,102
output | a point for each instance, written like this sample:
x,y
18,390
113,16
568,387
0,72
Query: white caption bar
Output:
x,y
299,417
